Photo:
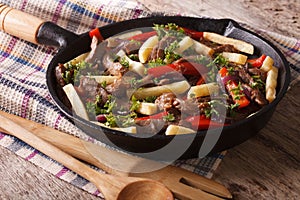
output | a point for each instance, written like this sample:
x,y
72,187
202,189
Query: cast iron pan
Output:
x,y
166,147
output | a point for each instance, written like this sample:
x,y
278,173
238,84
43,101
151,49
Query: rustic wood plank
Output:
x,y
264,167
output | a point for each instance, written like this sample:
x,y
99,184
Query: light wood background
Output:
x,y
264,167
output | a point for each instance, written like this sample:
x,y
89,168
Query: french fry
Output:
x,y
130,129
178,130
202,90
184,44
238,44
75,101
235,57
271,83
203,49
267,64
176,88
106,79
146,48
134,66
147,108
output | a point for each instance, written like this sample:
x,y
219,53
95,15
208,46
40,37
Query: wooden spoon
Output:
x,y
183,183
112,187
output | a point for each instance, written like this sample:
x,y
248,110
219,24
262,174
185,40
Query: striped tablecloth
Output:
x,y
23,89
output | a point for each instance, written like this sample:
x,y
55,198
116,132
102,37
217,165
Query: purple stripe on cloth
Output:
x,y
294,49
24,5
30,156
48,53
56,124
96,17
62,172
96,193
27,76
137,13
2,135
9,49
25,102
58,10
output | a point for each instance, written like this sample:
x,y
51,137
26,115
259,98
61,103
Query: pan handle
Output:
x,y
33,29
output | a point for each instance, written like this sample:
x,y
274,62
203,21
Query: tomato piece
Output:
x,y
185,68
143,36
197,35
201,122
96,32
237,94
234,90
223,72
257,62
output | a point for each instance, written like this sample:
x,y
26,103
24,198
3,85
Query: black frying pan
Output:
x,y
160,146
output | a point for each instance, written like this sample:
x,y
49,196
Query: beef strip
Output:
x,y
225,48
165,101
118,88
255,95
59,70
87,88
158,50
132,47
116,69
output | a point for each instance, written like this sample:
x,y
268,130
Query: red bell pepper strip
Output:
x,y
234,90
156,116
143,36
197,35
96,32
237,94
200,122
160,70
257,62
186,68
200,81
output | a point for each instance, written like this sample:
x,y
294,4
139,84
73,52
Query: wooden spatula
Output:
x,y
184,184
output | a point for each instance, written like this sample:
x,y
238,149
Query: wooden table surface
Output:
x,y
264,167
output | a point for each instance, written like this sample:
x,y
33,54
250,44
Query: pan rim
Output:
x,y
280,95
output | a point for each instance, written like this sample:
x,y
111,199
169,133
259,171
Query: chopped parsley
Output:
x,y
169,117
220,61
124,62
170,29
150,99
135,104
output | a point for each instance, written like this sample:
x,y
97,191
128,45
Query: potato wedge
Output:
x,y
235,57
178,130
147,108
75,101
203,90
146,48
176,88
238,44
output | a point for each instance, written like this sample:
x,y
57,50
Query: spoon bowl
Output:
x,y
148,189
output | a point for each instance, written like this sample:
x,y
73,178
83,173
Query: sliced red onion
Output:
x,y
101,118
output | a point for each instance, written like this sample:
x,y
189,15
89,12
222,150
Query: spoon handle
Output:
x,y
110,186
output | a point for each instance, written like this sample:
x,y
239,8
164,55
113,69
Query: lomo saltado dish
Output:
x,y
168,80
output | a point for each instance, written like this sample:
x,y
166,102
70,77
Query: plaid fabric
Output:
x,y
22,76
